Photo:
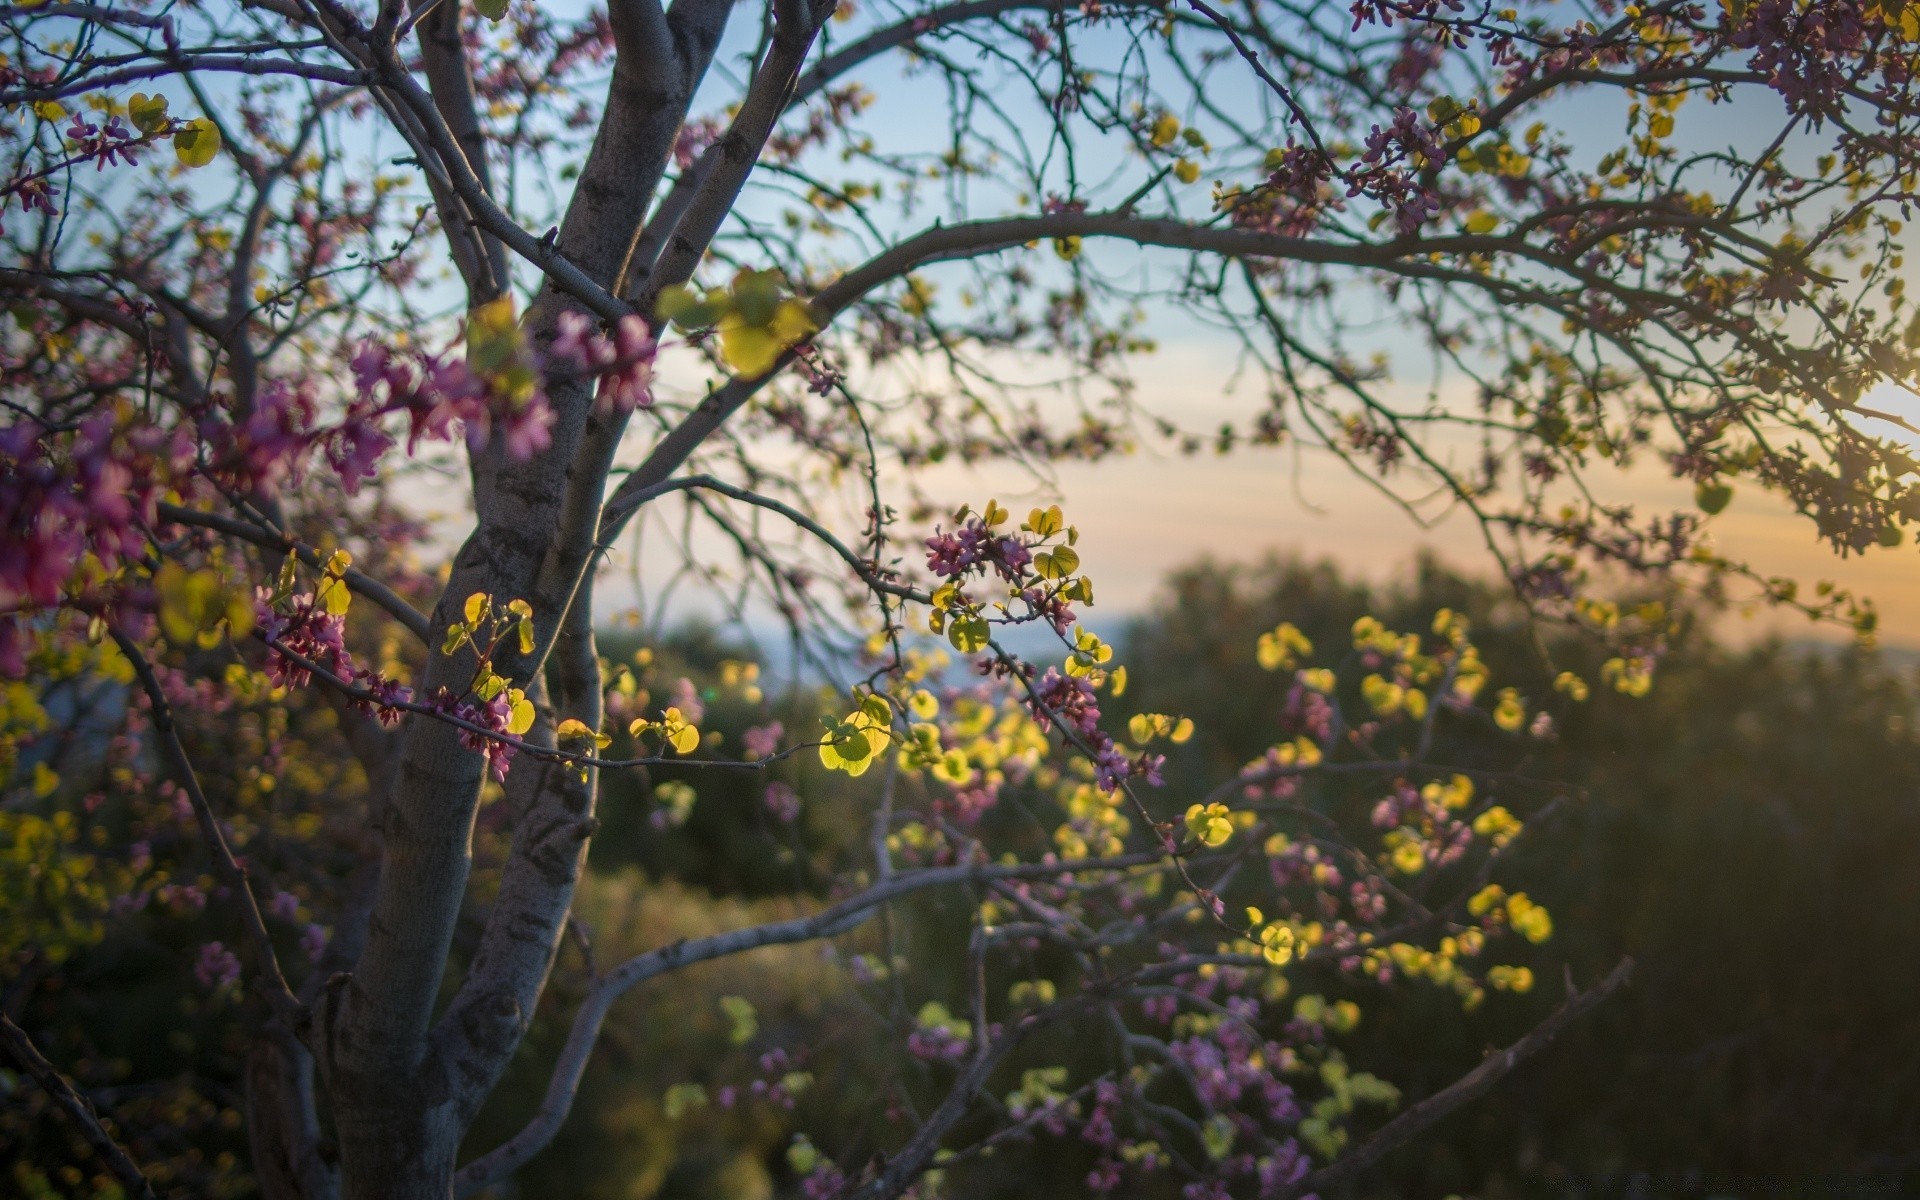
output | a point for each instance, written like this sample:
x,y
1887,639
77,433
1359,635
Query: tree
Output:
x,y
226,296
1696,820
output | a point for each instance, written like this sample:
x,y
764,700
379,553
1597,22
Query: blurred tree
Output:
x,y
352,258
1749,832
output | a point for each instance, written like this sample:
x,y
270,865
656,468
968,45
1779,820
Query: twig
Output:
x,y
1468,1087
20,1049
267,976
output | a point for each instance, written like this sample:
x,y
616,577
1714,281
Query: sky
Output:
x,y
1147,514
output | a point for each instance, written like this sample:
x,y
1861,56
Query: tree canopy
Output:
x,y
705,264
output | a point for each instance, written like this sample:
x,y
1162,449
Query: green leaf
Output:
x,y
520,714
969,634
1057,563
196,142
492,10
148,113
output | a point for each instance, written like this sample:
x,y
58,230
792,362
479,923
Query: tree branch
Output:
x,y
443,58
1474,1084
357,580
20,1048
830,922
268,979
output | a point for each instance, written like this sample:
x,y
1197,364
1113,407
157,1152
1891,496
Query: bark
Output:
x,y
283,1126
402,1085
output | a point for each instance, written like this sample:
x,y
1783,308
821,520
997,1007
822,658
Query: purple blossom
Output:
x,y
762,741
216,967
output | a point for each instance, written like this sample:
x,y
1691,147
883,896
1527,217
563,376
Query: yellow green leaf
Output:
x,y
520,712
148,113
968,634
749,349
1057,563
333,595
793,322
196,142
494,340
1045,523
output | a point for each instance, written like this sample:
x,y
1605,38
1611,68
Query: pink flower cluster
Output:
x,y
65,496
493,715
974,545
1071,700
623,362
303,628
216,967
436,392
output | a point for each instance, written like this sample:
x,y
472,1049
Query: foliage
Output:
x,y
258,730
1759,798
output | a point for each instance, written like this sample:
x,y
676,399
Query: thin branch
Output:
x,y
830,922
273,539
621,507
259,944
1474,1084
20,1048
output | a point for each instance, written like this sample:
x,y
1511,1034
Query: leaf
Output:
x,y
741,1016
494,340
477,607
519,712
969,634
794,322
682,307
684,740
1482,222
492,10
1713,497
334,596
1058,563
197,142
749,349
148,113
1045,523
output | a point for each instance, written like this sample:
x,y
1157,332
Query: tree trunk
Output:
x,y
397,1148
283,1127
